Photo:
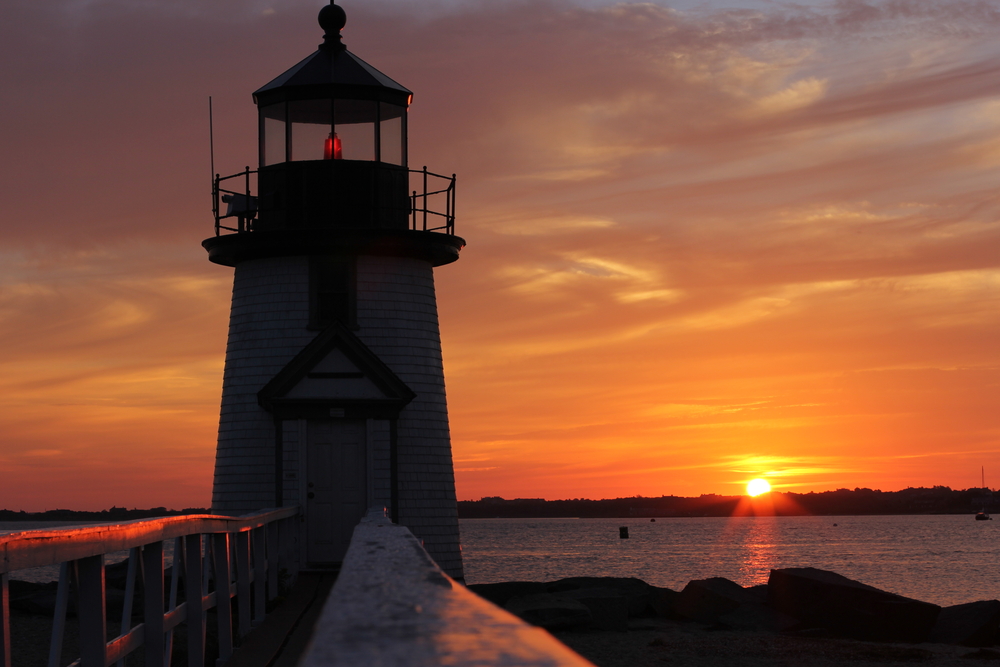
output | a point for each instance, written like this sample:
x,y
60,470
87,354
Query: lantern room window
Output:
x,y
272,134
391,131
309,126
325,129
354,123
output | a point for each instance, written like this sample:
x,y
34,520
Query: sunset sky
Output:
x,y
707,241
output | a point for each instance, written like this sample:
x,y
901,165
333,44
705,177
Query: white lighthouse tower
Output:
x,y
333,396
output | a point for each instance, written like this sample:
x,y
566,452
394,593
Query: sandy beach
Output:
x,y
659,642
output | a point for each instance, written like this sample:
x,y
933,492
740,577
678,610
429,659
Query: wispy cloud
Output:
x,y
695,238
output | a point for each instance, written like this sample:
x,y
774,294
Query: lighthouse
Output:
x,y
333,394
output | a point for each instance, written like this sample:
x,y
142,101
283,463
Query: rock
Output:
x,y
116,574
609,608
982,654
42,602
114,601
638,592
971,624
17,588
662,601
758,593
551,612
826,599
756,616
35,598
705,600
501,592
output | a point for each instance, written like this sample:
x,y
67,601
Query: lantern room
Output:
x,y
332,141
332,106
332,174
338,129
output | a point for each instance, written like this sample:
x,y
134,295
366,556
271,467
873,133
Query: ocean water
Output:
x,y
941,559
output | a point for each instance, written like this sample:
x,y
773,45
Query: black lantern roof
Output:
x,y
332,72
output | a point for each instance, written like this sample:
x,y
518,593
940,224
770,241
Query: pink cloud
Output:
x,y
782,208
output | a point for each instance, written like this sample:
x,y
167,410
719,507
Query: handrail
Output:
x,y
242,555
38,548
449,204
243,204
392,605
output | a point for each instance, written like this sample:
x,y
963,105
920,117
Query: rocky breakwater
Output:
x,y
796,601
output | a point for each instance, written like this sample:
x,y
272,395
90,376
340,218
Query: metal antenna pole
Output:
x,y
211,148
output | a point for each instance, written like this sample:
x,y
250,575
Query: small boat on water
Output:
x,y
983,515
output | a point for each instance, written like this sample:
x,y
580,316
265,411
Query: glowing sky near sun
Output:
x,y
707,241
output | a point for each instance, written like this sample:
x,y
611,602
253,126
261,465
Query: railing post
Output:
x,y
175,575
244,221
4,621
259,575
290,535
59,616
413,211
272,559
193,594
425,198
451,219
126,625
223,601
92,612
152,557
215,204
243,581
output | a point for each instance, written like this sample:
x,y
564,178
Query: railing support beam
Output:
x,y
152,556
193,594
243,581
92,612
259,574
59,616
272,559
223,604
4,621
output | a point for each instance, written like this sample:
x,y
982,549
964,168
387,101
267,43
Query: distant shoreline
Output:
x,y
113,514
842,502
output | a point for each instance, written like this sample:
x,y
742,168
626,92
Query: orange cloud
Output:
x,y
703,245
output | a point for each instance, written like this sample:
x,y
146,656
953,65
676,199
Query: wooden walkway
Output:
x,y
281,640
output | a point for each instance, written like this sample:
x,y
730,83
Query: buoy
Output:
x,y
623,532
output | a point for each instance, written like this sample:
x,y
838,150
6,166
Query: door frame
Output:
x,y
303,457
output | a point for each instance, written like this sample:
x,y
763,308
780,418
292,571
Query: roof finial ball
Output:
x,y
332,19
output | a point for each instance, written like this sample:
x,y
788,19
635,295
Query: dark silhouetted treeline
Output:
x,y
936,500
113,514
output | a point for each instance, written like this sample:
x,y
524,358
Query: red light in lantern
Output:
x,y
332,149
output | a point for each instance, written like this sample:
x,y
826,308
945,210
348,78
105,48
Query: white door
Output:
x,y
336,489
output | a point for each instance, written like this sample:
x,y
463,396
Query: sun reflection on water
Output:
x,y
758,554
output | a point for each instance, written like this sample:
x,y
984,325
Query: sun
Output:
x,y
757,486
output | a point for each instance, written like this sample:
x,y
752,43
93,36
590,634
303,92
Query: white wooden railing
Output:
x,y
246,552
392,605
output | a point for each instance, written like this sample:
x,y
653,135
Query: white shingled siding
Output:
x,y
290,487
267,327
378,443
397,319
